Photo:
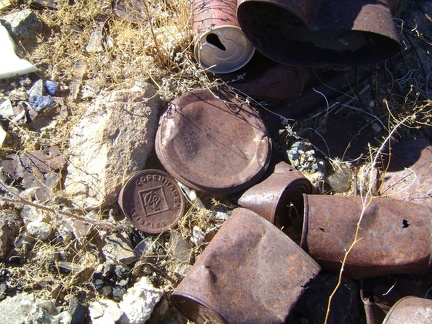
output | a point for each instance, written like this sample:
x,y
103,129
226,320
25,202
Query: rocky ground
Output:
x,y
68,143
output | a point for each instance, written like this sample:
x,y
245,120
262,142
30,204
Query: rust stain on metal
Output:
x,y
213,142
279,197
152,201
251,272
394,237
410,310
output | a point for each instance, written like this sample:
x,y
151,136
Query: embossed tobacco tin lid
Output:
x,y
213,142
152,201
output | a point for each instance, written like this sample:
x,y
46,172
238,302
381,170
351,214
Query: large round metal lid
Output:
x,y
213,142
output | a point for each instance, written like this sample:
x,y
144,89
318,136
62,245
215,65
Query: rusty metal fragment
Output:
x,y
220,45
308,33
152,201
251,272
213,142
410,310
409,174
394,236
279,197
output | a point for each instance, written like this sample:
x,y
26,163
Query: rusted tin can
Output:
x,y
250,272
213,142
409,173
309,33
394,236
279,197
220,45
410,310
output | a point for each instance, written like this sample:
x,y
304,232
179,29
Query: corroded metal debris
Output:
x,y
394,236
251,272
279,196
152,201
220,45
307,33
213,142
410,310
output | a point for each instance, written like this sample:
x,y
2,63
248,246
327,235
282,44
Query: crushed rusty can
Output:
x,y
251,272
311,33
279,196
213,142
394,236
220,45
410,310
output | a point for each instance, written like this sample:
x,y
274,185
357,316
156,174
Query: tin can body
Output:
x,y
220,45
410,310
394,236
249,273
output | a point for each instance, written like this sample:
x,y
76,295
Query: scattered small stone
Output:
x,y
90,89
51,87
37,89
10,224
6,109
49,4
77,311
118,293
39,230
39,103
139,302
106,291
302,156
95,43
198,236
22,25
179,248
105,311
340,180
24,308
118,249
144,248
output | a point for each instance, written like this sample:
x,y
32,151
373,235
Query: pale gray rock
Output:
x,y
112,140
10,224
39,230
104,311
139,301
24,308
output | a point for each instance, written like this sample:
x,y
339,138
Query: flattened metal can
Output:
x,y
251,272
220,45
152,201
410,310
394,236
213,142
